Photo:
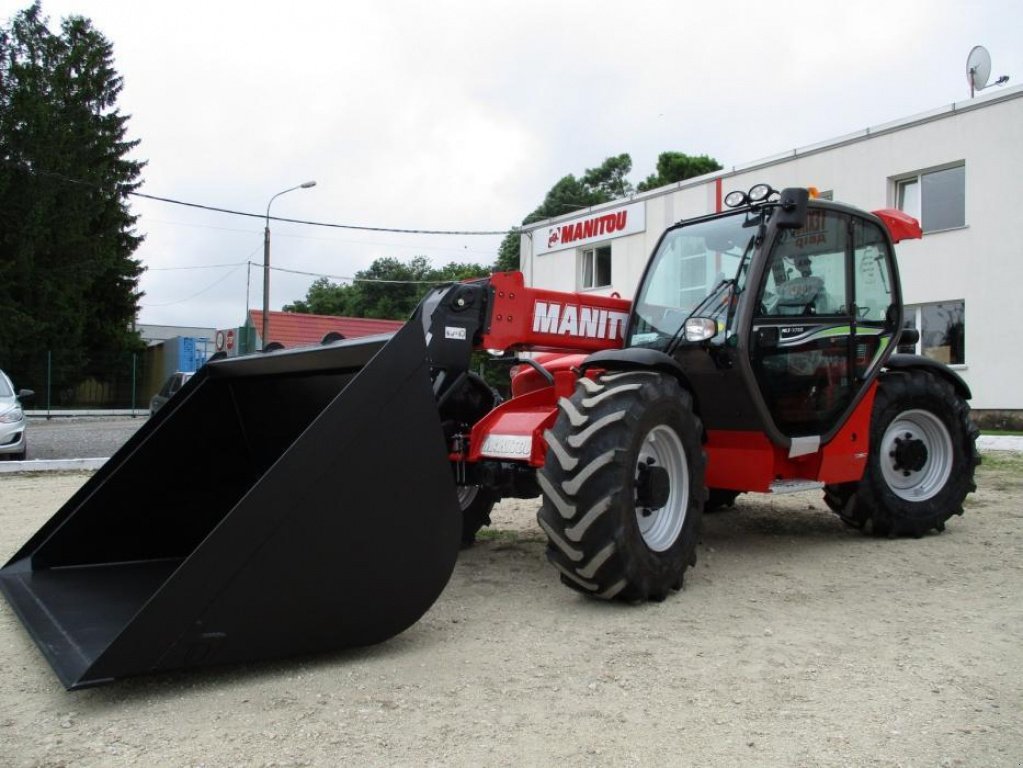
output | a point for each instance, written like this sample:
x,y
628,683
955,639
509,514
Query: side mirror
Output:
x,y
909,336
700,329
791,212
24,393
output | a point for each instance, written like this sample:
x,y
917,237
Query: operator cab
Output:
x,y
780,312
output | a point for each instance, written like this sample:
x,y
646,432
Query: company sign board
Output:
x,y
593,228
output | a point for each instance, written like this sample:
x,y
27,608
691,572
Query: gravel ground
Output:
x,y
796,642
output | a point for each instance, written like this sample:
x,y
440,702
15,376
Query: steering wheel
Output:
x,y
797,296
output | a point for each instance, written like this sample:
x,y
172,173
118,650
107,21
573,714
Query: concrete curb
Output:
x,y
999,443
51,465
36,413
985,444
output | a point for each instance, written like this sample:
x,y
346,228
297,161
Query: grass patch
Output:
x,y
497,534
1001,460
1001,433
505,536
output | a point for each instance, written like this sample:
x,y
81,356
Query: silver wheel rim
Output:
x,y
466,495
925,430
661,527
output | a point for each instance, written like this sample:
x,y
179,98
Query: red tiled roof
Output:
x,y
294,329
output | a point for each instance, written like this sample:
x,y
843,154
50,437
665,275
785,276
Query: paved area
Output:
x,y
84,442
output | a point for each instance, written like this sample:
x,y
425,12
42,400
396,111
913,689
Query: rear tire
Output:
x,y
473,399
922,459
476,503
718,499
623,486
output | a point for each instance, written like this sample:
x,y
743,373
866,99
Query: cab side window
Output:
x,y
806,275
872,272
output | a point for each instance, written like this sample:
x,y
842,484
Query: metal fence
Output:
x,y
59,383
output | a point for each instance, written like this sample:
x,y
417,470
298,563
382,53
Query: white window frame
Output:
x,y
901,183
589,257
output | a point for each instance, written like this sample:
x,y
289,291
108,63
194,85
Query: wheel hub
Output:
x,y
661,488
916,455
653,486
909,454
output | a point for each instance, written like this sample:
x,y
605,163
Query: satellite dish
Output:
x,y
978,68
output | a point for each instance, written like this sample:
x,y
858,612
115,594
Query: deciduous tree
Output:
x,y
598,185
678,166
602,184
389,289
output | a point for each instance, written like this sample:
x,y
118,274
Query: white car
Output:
x,y
169,388
13,442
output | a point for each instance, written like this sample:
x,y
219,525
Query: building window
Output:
x,y
595,267
942,329
936,198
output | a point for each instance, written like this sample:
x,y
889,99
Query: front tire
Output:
x,y
623,486
922,459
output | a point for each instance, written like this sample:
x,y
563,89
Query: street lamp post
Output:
x,y
266,261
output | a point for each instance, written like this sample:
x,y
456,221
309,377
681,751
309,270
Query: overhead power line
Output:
x,y
360,227
232,212
197,266
216,282
352,279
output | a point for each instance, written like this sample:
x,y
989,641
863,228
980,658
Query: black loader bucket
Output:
x,y
278,504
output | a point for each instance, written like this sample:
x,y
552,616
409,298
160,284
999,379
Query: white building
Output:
x,y
156,334
955,168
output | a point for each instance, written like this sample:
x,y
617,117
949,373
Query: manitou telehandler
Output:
x,y
311,499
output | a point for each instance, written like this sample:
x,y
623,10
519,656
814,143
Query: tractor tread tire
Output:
x,y
719,498
871,504
588,484
476,514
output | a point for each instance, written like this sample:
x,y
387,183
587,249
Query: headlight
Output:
x,y
12,415
759,192
735,199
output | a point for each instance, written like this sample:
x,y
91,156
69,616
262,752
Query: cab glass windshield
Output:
x,y
691,263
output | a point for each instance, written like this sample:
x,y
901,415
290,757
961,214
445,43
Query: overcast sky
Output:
x,y
460,115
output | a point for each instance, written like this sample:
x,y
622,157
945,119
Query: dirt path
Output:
x,y
797,642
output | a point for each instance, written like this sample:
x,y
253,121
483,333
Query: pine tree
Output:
x,y
68,280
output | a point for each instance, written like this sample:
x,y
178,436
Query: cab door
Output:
x,y
823,317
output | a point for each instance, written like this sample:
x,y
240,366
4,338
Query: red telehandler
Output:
x,y
310,499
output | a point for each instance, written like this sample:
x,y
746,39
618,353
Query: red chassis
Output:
x,y
524,318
